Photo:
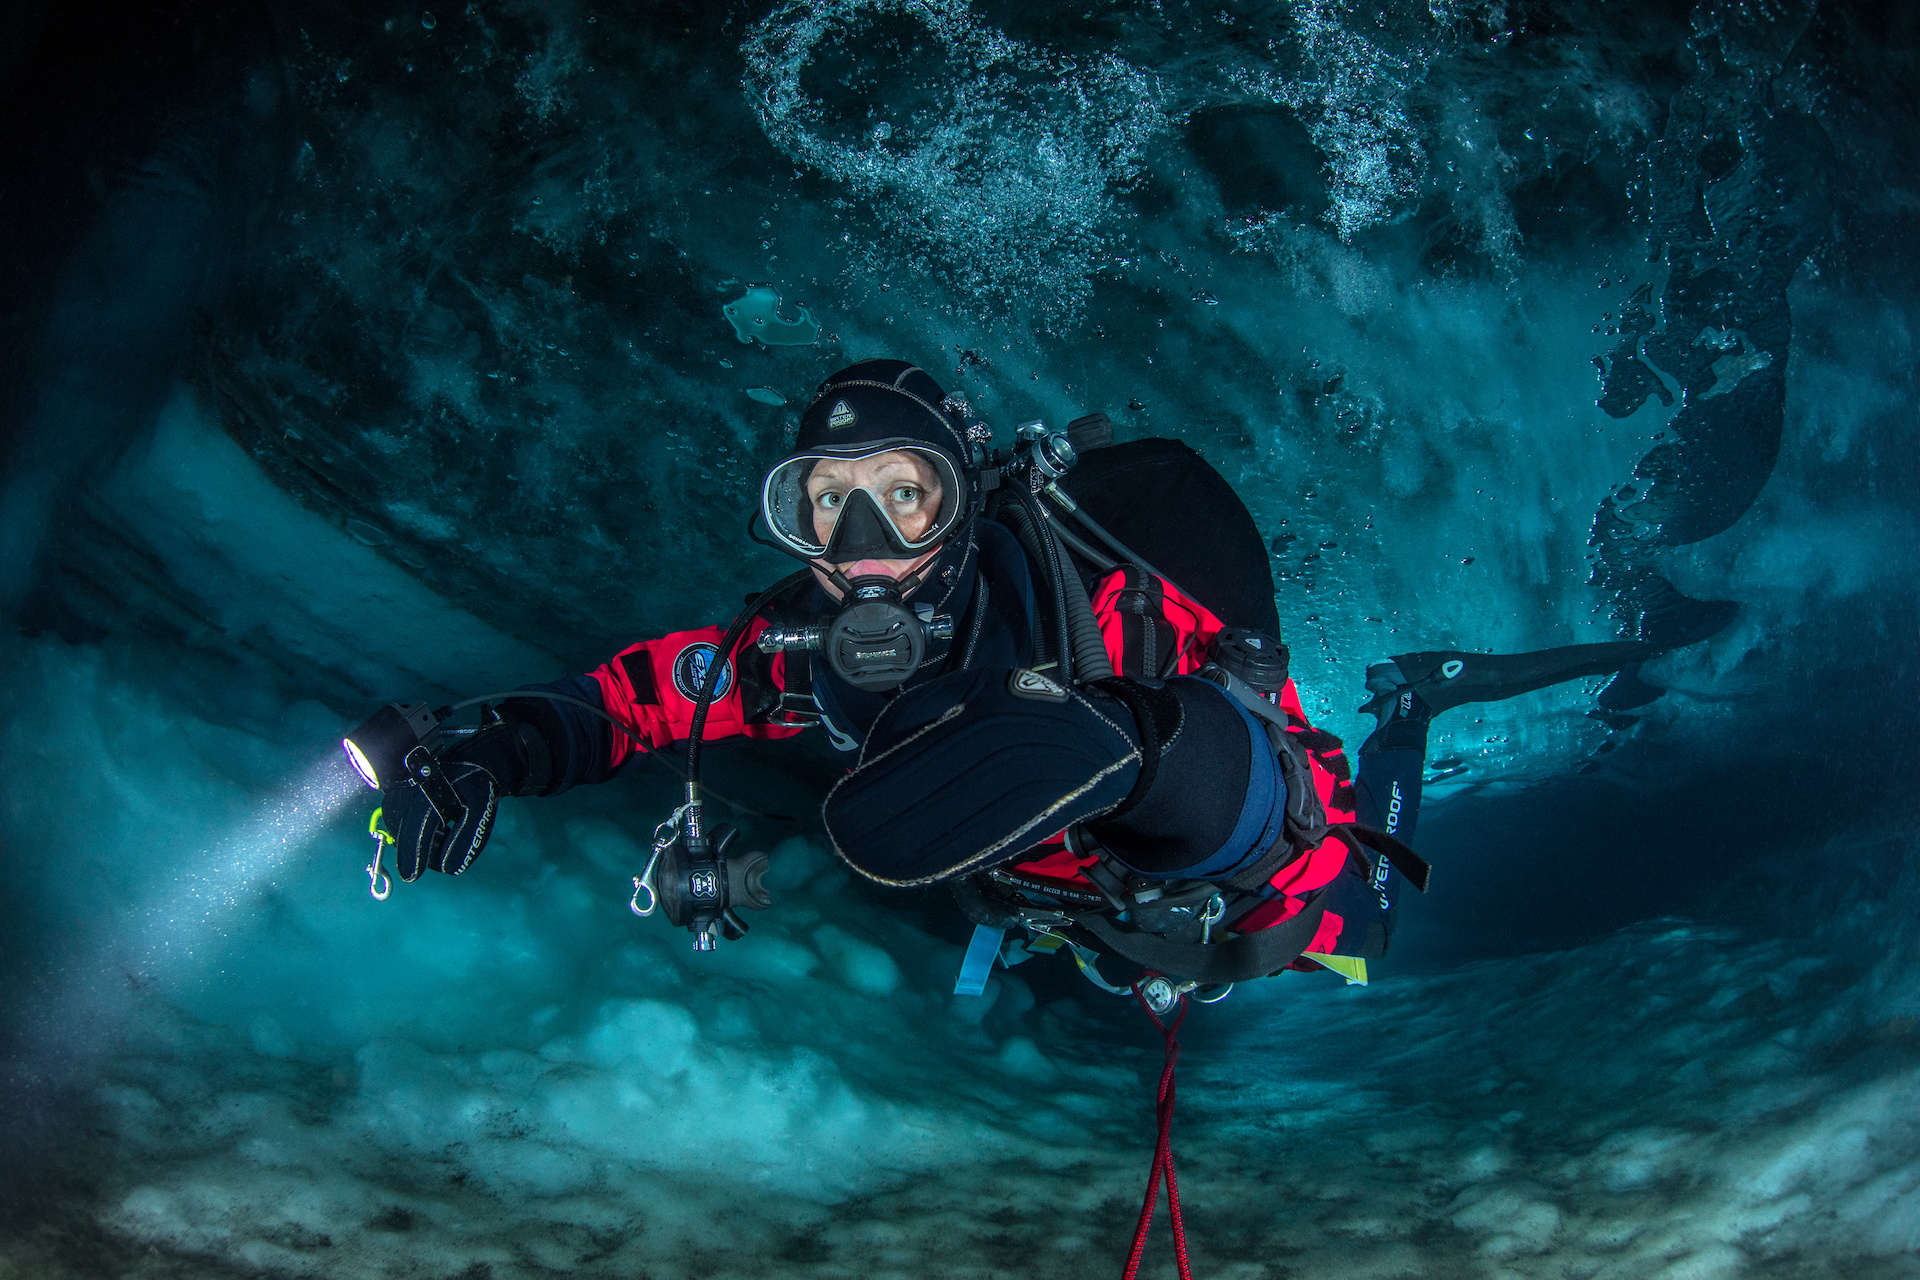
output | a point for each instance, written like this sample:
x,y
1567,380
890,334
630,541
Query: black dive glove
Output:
x,y
500,760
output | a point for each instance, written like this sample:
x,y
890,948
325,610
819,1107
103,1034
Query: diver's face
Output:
x,y
907,489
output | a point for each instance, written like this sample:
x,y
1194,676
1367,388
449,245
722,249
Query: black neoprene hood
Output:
x,y
881,399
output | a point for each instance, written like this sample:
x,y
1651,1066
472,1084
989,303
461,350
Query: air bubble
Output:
x,y
428,21
1028,213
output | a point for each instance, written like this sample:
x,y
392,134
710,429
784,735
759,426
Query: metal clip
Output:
x,y
663,837
1216,907
379,885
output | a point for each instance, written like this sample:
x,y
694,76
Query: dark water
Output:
x,y
359,352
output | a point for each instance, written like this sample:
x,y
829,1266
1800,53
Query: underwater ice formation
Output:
x,y
998,162
357,353
755,317
1737,191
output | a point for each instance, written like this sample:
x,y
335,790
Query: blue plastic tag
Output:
x,y
978,966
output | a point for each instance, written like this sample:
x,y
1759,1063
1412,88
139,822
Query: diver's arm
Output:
x,y
651,689
545,745
567,744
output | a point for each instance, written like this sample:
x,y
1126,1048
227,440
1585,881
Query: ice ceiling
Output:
x,y
369,351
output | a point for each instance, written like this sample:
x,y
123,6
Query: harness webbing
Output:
x,y
1162,1151
1252,955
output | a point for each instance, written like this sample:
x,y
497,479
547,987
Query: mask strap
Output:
x,y
763,541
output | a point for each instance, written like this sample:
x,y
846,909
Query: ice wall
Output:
x,y
1366,261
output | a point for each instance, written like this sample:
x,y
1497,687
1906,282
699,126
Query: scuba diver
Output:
x,y
1099,752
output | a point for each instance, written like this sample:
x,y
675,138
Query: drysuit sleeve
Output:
x,y
650,689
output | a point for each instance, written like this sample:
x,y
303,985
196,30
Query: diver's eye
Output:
x,y
906,494
830,499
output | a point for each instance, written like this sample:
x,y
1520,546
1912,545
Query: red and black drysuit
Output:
x,y
970,777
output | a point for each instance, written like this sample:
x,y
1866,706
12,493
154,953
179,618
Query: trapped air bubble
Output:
x,y
756,314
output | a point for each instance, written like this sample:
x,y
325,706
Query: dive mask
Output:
x,y
860,523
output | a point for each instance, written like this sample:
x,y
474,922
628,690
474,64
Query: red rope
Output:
x,y
1163,1152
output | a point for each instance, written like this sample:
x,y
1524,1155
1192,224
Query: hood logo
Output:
x,y
842,417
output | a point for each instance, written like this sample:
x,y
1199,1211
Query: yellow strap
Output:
x,y
376,830
1353,968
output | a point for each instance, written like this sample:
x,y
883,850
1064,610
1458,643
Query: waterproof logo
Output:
x,y
1382,869
842,417
690,671
1031,684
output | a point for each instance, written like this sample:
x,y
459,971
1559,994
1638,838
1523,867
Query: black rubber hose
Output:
x,y
1084,549
711,681
1027,527
1120,548
633,735
1082,633
1090,660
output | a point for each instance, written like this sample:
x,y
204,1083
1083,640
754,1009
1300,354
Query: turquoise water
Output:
x,y
361,356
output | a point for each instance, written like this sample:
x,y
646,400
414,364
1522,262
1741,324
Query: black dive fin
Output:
x,y
1446,679
1674,621
1627,691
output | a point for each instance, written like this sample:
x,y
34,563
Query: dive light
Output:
x,y
394,748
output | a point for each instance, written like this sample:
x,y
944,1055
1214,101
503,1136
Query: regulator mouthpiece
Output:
x,y
877,641
378,748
